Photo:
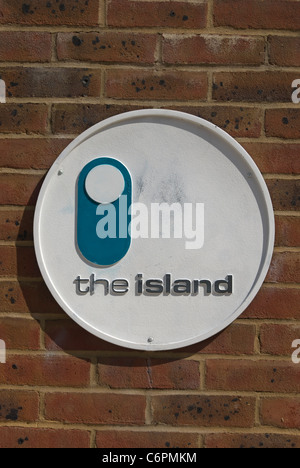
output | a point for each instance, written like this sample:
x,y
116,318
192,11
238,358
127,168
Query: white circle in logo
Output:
x,y
104,184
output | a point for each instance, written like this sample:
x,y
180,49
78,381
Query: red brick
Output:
x,y
283,123
107,47
76,118
257,376
67,335
237,121
27,297
19,189
31,153
280,412
285,194
266,14
149,373
25,46
275,303
261,440
16,225
284,51
35,12
235,340
19,261
213,49
23,118
20,333
275,158
18,405
205,411
151,85
285,268
96,408
253,86
51,82
173,14
46,370
31,437
277,339
287,231
130,439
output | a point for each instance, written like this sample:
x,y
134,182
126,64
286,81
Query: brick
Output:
x,y
172,14
287,231
24,118
67,335
285,194
51,82
25,46
19,261
31,153
16,225
283,123
275,158
257,376
162,85
203,410
253,86
27,297
129,439
19,189
31,437
275,303
107,47
277,339
76,118
213,49
267,14
280,412
46,370
237,121
149,373
234,340
284,268
96,408
20,333
278,47
18,405
261,440
35,12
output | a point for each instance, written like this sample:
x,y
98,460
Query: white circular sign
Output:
x,y
154,230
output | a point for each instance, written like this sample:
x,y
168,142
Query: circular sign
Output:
x,y
154,230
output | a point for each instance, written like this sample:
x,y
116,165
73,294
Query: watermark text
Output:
x,y
296,93
296,353
161,221
2,352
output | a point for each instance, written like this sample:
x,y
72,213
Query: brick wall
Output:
x,y
69,64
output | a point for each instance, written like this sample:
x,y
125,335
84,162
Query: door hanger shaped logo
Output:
x,y
104,197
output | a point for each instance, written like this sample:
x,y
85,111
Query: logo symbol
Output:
x,y
104,196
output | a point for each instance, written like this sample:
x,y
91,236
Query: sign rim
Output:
x,y
164,113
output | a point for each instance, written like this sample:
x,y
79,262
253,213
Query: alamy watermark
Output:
x,y
2,352
296,353
159,221
296,93
2,92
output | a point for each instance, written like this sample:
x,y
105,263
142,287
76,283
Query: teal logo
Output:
x,y
104,198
